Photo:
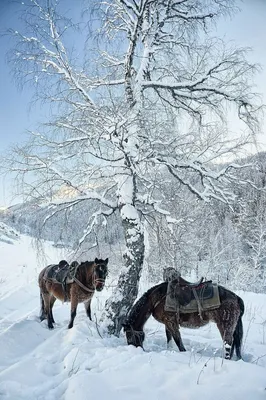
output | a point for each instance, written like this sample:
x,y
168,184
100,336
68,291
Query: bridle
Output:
x,y
95,279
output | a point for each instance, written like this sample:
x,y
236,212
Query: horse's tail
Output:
x,y
238,333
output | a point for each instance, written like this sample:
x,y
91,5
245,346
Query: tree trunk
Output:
x,y
118,305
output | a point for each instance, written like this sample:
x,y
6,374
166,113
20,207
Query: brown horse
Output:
x,y
90,276
228,318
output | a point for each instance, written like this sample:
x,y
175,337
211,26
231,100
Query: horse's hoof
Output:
x,y
50,326
70,326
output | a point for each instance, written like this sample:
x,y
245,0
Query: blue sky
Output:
x,y
13,103
247,28
17,111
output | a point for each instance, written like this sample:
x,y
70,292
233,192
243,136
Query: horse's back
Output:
x,y
227,293
43,273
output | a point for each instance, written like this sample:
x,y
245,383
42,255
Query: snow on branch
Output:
x,y
146,200
221,82
87,194
210,184
47,54
93,221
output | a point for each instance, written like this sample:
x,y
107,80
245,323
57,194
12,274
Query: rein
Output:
x,y
83,286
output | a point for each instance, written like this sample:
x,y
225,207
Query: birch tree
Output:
x,y
150,100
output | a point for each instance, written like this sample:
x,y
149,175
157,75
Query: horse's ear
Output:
x,y
96,260
125,323
124,326
106,261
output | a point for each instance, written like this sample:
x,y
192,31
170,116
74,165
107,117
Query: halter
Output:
x,y
98,280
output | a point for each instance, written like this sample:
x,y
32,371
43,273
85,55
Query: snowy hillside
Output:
x,y
7,234
78,364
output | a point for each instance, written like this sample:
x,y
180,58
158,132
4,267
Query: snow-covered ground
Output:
x,y
79,364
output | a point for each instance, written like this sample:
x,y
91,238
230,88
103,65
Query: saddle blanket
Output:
x,y
185,300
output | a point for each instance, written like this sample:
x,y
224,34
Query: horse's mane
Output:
x,y
83,268
85,264
140,305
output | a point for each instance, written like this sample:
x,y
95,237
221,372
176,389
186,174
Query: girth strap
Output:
x,y
198,302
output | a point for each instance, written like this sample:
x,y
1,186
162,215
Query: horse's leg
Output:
x,y
43,314
87,305
178,340
47,298
52,301
169,337
74,305
227,328
173,329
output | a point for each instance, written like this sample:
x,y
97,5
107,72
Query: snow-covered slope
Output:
x,y
7,234
79,364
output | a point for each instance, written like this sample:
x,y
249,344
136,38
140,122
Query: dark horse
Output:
x,y
228,318
90,276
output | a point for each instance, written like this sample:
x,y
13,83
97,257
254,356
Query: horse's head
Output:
x,y
136,338
100,273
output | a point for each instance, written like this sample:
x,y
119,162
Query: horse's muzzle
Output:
x,y
99,285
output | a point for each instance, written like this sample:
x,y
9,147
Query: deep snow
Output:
x,y
79,364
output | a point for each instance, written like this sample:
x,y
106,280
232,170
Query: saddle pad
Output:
x,y
183,300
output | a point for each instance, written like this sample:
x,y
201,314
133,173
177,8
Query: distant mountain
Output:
x,y
8,234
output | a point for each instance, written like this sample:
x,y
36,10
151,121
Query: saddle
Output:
x,y
62,273
187,297
186,291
